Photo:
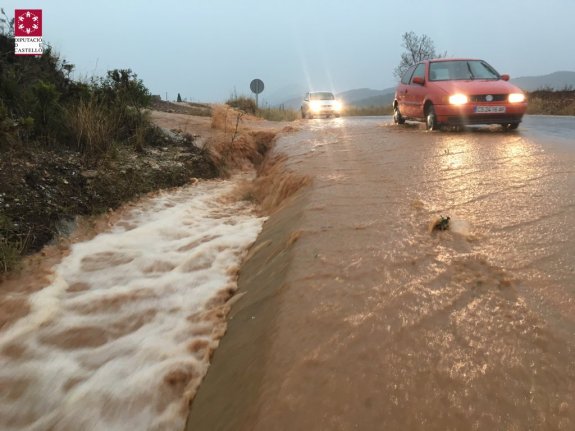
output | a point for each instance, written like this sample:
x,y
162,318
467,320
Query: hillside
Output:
x,y
553,81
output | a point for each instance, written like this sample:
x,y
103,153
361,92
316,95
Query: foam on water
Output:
x,y
123,336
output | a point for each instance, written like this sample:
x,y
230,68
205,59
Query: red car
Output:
x,y
457,91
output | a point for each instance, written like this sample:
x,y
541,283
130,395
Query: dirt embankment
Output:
x,y
43,190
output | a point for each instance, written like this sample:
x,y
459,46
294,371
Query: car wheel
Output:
x,y
397,117
512,126
431,119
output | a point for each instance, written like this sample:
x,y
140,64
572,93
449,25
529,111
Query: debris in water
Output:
x,y
442,223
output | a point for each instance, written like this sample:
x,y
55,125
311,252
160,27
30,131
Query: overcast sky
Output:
x,y
205,49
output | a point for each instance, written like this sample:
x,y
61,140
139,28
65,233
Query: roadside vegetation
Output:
x,y
70,148
248,105
550,102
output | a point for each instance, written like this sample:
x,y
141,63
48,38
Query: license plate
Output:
x,y
489,109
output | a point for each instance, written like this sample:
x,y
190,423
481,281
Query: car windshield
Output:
x,y
322,96
461,70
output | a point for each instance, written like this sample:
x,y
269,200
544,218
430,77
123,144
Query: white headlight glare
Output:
x,y
458,99
315,106
337,105
516,98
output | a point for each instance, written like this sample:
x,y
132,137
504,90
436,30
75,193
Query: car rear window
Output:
x,y
461,70
322,96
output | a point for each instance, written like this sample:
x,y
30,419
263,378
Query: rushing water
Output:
x,y
123,335
381,322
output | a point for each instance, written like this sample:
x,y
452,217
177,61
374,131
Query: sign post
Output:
x,y
257,86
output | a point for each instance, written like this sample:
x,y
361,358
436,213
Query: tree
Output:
x,y
179,98
6,24
417,48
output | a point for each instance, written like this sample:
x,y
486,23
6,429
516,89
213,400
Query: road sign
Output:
x,y
257,86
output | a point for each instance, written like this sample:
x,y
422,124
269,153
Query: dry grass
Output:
x,y
236,147
10,254
92,126
548,102
228,119
277,114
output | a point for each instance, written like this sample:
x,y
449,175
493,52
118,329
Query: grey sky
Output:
x,y
206,49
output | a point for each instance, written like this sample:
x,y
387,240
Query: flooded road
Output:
x,y
379,322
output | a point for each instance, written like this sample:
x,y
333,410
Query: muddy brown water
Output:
x,y
357,316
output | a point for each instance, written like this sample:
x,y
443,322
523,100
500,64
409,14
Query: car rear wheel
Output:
x,y
431,119
512,126
397,117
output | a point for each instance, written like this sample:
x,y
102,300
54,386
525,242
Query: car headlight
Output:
x,y
458,99
338,106
516,98
315,106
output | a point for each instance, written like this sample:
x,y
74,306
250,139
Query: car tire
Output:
x,y
512,126
431,119
397,117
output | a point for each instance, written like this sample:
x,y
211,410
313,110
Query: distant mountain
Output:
x,y
280,95
353,97
385,99
554,81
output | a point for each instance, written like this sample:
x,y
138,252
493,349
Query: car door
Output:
x,y
416,93
403,90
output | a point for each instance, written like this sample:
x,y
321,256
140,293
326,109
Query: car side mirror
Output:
x,y
418,80
505,77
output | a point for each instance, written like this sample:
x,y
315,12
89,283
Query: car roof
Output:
x,y
450,59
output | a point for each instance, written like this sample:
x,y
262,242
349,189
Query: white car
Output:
x,y
318,103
